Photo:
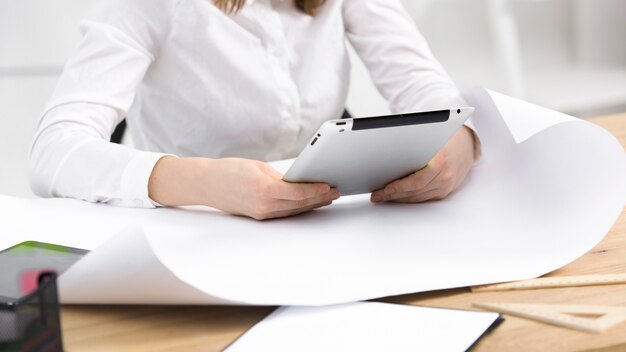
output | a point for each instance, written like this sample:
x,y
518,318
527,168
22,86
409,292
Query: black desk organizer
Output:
x,y
31,323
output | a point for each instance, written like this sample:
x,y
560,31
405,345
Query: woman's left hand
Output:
x,y
443,174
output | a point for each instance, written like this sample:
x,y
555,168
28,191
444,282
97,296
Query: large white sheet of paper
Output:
x,y
547,190
366,326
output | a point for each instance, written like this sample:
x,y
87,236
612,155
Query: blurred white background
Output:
x,y
569,55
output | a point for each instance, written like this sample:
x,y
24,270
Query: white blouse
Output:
x,y
194,81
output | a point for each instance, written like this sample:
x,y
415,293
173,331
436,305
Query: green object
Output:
x,y
29,304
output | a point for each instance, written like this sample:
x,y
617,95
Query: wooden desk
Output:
x,y
164,328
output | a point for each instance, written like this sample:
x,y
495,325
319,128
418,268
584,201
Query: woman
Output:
x,y
212,89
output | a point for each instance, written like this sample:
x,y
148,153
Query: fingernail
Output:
x,y
377,199
336,194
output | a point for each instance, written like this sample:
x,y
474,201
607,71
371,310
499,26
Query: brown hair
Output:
x,y
307,6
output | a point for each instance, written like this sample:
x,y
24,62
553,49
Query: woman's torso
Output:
x,y
256,84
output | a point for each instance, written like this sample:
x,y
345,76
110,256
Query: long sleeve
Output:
x,y
397,56
71,155
399,59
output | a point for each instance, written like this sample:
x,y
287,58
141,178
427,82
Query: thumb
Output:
x,y
270,171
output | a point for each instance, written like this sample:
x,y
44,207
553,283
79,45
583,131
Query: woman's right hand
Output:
x,y
236,186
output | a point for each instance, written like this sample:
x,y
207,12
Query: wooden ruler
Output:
x,y
553,282
569,316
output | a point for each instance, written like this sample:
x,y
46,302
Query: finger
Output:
x,y
379,197
435,194
413,182
288,205
442,182
269,170
280,189
292,212
421,181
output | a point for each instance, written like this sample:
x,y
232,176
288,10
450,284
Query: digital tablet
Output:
x,y
362,155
